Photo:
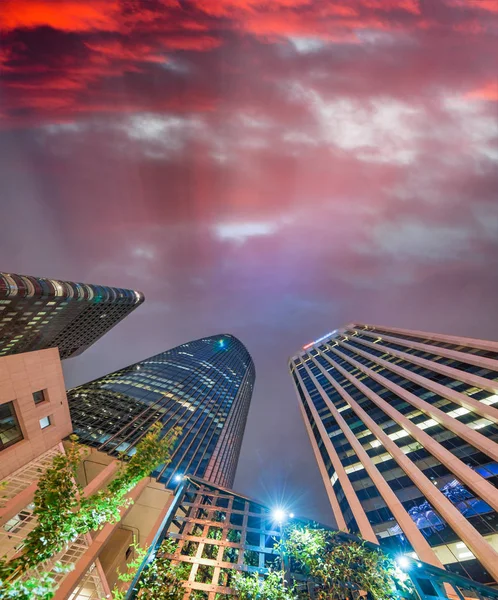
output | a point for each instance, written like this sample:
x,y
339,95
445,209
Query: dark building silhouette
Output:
x,y
38,313
204,386
403,425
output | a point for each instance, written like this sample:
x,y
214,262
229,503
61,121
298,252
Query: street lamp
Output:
x,y
278,515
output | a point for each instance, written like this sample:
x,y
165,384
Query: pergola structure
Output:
x,y
220,533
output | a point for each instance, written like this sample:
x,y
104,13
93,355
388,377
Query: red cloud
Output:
x,y
66,16
113,49
488,91
411,6
489,5
87,56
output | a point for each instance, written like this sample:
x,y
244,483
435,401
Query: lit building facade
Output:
x,y
403,425
38,313
204,387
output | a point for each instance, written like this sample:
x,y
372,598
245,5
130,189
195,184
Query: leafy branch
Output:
x,y
163,578
340,567
39,587
64,513
254,587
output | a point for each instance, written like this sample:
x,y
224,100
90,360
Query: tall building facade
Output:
x,y
204,387
38,313
403,425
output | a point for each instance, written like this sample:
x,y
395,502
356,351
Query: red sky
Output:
x,y
271,169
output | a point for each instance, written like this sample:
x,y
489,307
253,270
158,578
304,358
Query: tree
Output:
x,y
342,568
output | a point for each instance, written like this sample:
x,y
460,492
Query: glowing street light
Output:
x,y
403,562
279,515
178,477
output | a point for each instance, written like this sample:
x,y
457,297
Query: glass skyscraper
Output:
x,y
204,386
403,425
38,313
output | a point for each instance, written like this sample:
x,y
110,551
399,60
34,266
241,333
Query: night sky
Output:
x,y
272,170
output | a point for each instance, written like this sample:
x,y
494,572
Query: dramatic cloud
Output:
x,y
270,169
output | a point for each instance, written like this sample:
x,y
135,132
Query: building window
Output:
x,y
40,396
45,422
10,432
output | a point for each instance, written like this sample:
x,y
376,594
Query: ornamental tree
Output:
x,y
340,568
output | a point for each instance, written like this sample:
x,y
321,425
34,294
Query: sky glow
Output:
x,y
271,170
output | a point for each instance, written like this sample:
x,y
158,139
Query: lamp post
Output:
x,y
280,516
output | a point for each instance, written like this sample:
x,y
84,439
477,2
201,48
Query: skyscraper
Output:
x,y
403,425
204,386
38,313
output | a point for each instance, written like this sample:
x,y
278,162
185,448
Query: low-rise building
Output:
x,y
34,427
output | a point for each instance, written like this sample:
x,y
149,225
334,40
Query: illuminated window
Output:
x,y
45,422
491,400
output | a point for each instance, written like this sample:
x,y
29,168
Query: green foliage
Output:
x,y
41,587
62,511
134,564
162,579
56,503
341,567
254,587
131,568
215,533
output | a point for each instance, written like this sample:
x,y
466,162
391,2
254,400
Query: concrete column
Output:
x,y
416,539
359,514
336,509
473,437
103,579
437,337
470,378
478,484
467,533
489,412
471,359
